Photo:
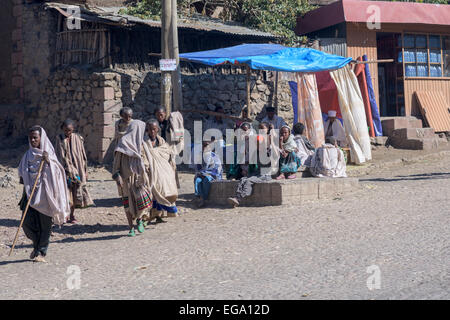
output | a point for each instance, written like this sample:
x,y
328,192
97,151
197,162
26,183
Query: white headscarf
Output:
x,y
51,194
131,145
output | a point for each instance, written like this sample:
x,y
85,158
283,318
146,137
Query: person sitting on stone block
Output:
x,y
305,149
210,170
275,121
333,128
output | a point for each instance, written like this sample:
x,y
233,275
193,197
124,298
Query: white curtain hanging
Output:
x,y
353,114
308,108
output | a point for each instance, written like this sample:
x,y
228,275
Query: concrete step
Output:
x,y
378,141
413,133
394,123
280,192
415,144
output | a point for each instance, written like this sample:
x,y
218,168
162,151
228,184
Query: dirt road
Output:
x,y
392,237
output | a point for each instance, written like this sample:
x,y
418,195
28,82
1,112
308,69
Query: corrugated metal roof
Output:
x,y
434,109
363,11
110,15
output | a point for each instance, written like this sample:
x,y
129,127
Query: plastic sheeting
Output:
x,y
373,102
270,57
352,109
361,76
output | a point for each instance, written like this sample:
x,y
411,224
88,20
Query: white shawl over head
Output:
x,y
51,195
131,145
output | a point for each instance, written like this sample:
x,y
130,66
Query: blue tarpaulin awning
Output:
x,y
272,57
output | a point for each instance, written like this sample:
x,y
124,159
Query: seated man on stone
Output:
x,y
261,171
305,149
333,128
220,124
246,118
241,167
328,161
275,121
210,170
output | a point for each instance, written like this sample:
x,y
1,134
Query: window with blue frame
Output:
x,y
425,55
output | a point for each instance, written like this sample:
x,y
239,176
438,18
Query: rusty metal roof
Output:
x,y
434,109
111,15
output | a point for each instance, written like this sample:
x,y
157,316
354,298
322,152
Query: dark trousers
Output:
x,y
37,228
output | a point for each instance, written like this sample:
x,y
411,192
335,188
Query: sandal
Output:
x,y
131,233
280,177
292,176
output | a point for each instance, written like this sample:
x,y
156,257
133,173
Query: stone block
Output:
x,y
326,187
108,131
106,93
105,143
16,34
413,133
390,124
16,58
17,81
17,10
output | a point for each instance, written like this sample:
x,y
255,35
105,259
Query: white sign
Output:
x,y
168,64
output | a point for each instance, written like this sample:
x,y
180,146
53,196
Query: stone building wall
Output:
x,y
93,99
141,91
90,99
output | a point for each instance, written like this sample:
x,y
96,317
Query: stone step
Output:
x,y
413,133
378,141
275,192
415,144
391,124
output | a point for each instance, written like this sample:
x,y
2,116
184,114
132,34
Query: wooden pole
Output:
x,y
174,50
248,91
41,165
165,40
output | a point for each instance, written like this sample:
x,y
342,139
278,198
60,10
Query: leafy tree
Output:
x,y
275,16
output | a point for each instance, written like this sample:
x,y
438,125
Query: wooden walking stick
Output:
x,y
41,165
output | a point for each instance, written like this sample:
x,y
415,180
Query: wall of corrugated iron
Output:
x,y
435,109
424,84
360,41
337,46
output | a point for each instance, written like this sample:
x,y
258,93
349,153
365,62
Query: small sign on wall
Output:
x,y
167,64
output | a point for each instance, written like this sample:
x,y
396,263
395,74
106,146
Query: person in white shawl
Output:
x,y
305,149
333,128
50,202
160,172
130,176
328,161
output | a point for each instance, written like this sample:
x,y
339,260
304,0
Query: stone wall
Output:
x,y
141,91
39,43
87,97
93,99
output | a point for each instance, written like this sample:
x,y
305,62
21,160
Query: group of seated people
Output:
x,y
289,146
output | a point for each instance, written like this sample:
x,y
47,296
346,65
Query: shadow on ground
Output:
x,y
108,203
425,176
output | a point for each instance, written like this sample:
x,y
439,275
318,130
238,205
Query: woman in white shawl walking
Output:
x,y
129,173
161,173
50,202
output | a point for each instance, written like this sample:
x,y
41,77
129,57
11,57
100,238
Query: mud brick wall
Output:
x,y
90,99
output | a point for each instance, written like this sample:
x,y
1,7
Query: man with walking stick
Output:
x,y
45,197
